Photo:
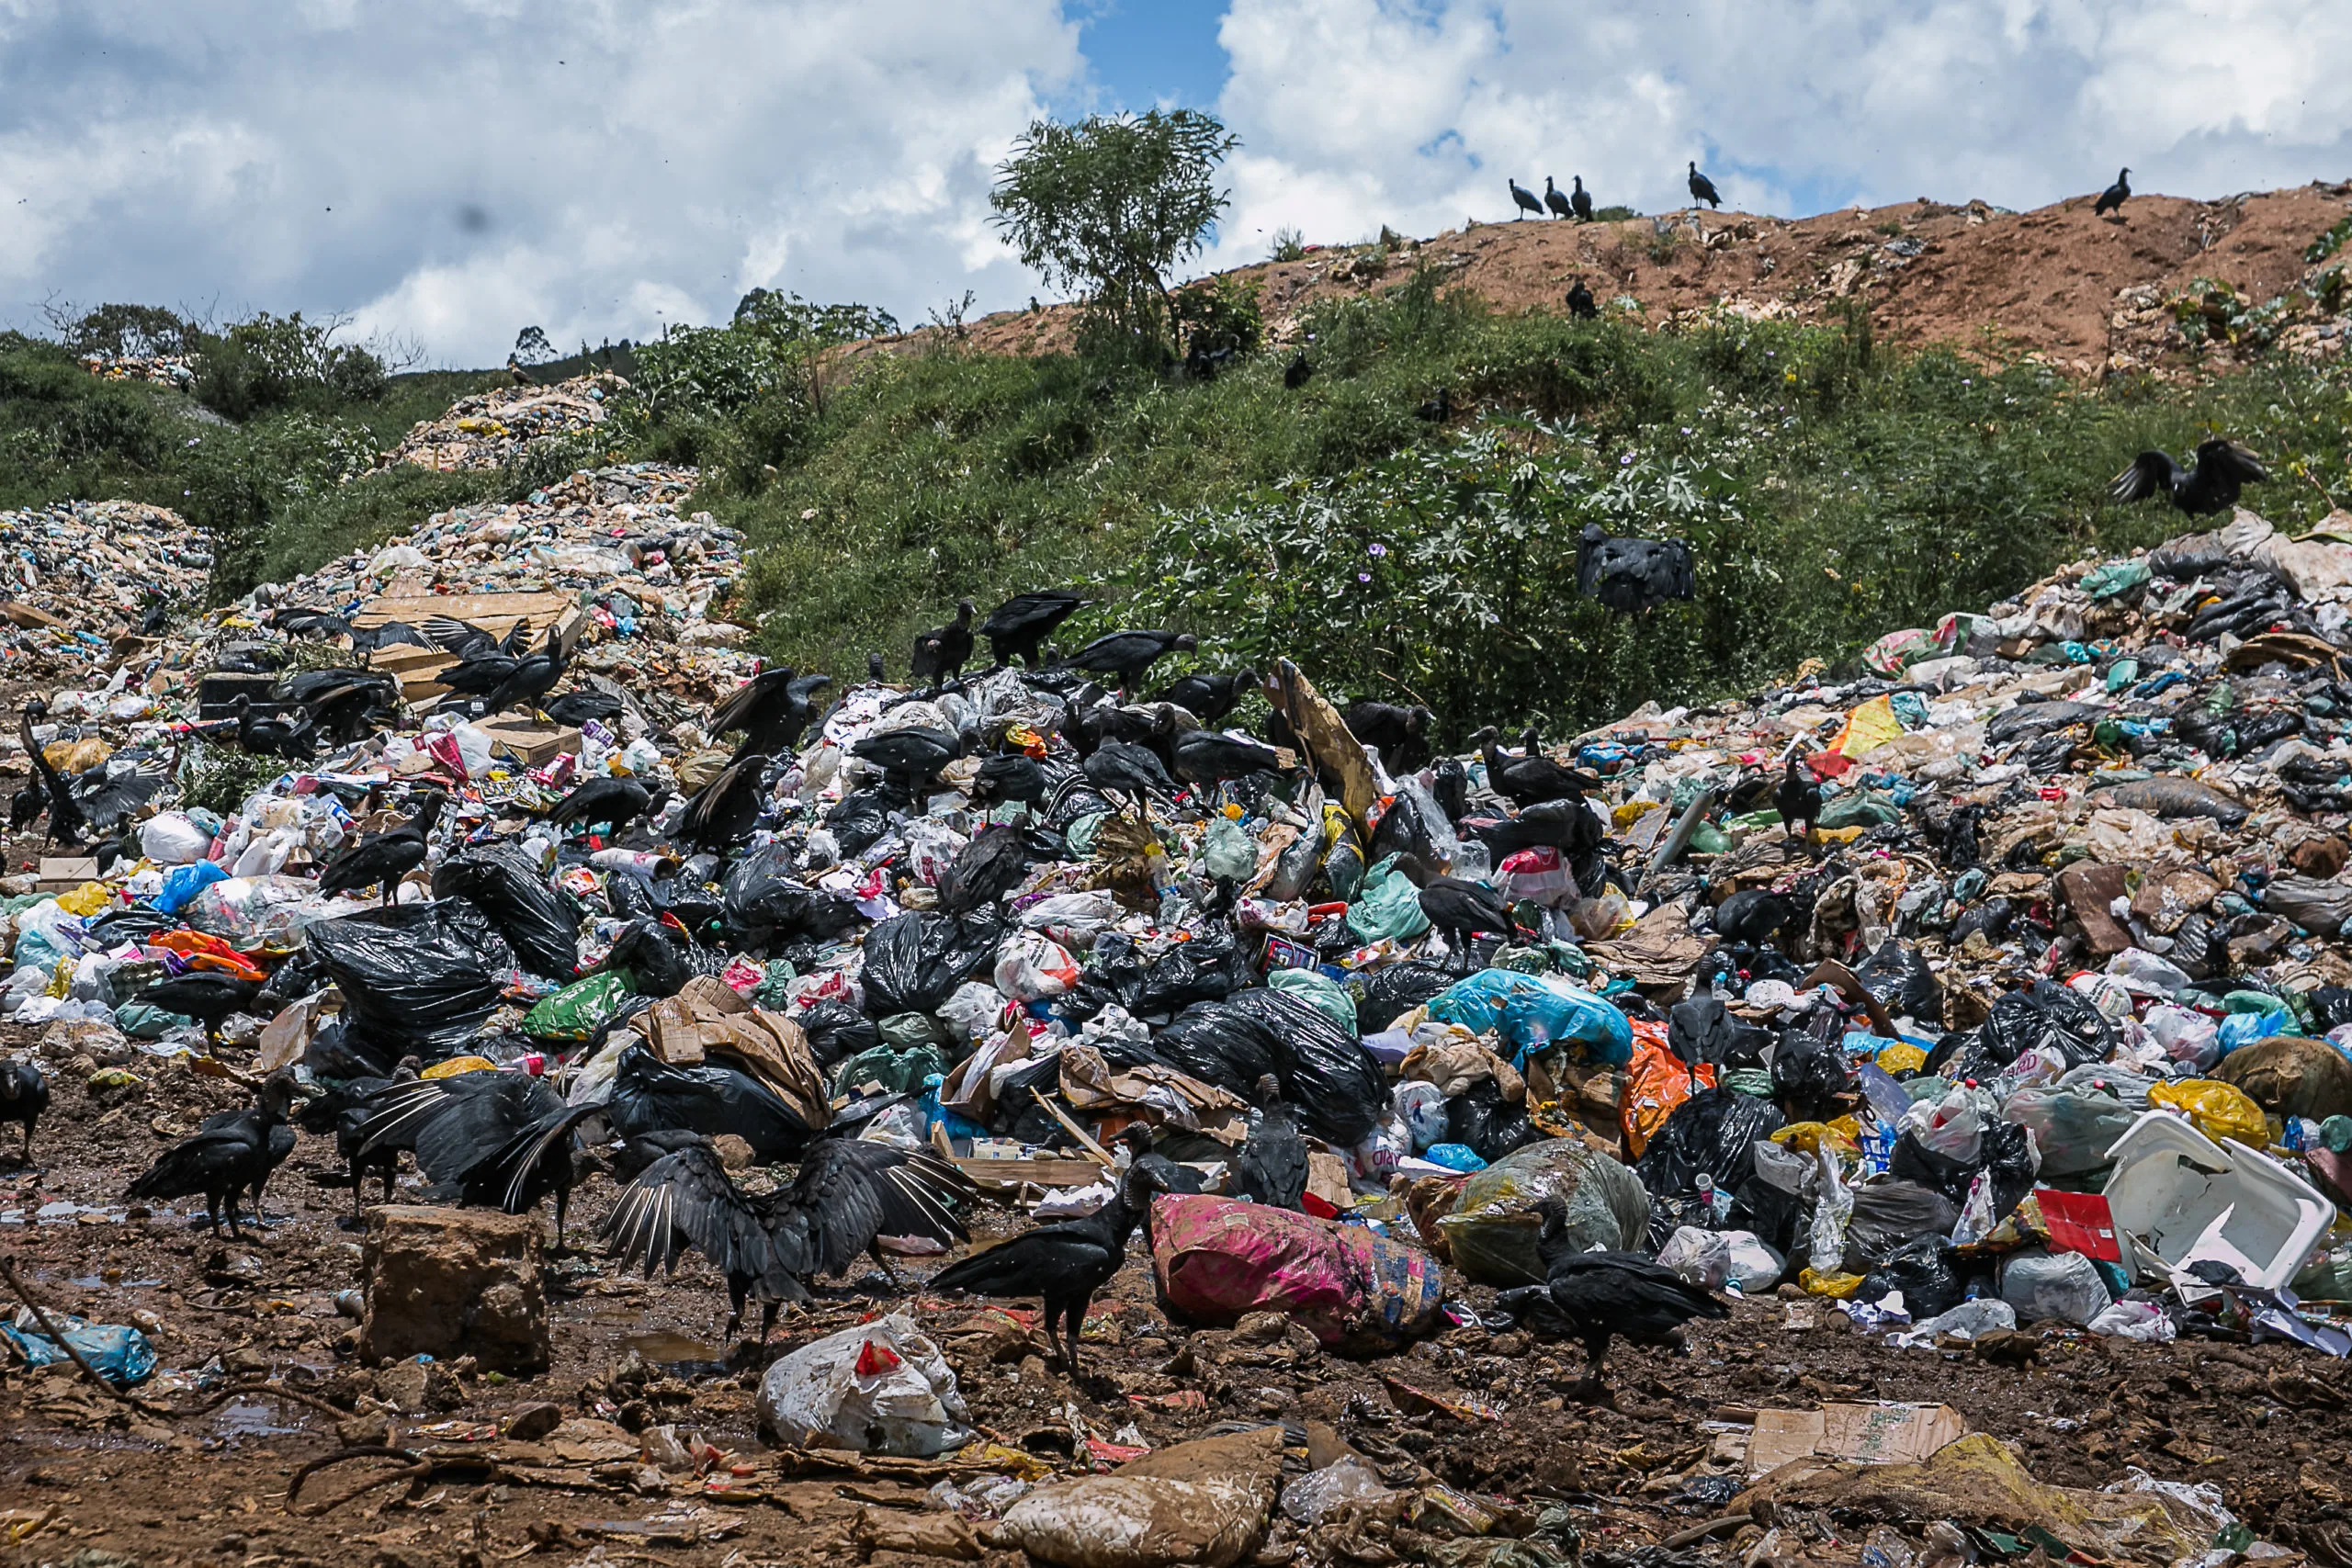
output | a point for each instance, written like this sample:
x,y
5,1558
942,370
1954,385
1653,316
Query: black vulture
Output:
x,y
387,857
1166,1173
1019,627
1436,410
2112,199
1524,199
846,1197
1703,188
205,995
577,708
1401,735
1012,776
1529,779
1596,1296
612,802
1581,304
345,1110
1209,697
532,677
466,640
1754,916
1797,798
497,1138
1208,756
1461,909
991,865
724,811
232,1154
1634,576
275,735
1063,1264
1271,1166
1295,373
912,755
2209,485
1555,200
1581,203
1123,657
941,652
24,1095
1120,767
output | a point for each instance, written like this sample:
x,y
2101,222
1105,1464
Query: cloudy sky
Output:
x,y
449,171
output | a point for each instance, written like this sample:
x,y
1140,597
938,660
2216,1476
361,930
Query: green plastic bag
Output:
x,y
899,1072
1387,904
1491,1232
2115,579
1226,852
1860,808
579,1008
909,1030
1318,991
774,990
144,1020
1707,839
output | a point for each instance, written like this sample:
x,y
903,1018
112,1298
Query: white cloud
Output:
x,y
452,170
1355,113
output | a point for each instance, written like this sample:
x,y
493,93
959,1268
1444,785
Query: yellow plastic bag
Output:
x,y
87,900
456,1065
1868,727
1902,1058
1806,1137
2217,1110
1836,1287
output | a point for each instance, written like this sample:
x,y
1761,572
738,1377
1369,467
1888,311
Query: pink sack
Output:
x,y
1217,1258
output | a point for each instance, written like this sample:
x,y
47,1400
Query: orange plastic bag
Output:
x,y
203,952
1653,1084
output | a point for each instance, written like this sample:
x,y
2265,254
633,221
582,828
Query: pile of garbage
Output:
x,y
98,569
2003,984
490,430
177,370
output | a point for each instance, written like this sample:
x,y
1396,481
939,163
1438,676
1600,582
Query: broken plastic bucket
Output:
x,y
2179,1194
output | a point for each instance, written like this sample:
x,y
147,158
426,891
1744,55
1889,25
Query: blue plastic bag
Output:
x,y
1455,1156
2245,1028
1387,904
1531,1012
120,1354
183,883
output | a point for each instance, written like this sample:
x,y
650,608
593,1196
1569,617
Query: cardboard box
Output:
x,y
62,874
1859,1433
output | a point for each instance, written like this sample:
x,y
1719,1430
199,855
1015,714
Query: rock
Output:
x,y
1203,1502
246,1361
734,1153
1262,1327
364,1431
70,1039
402,1386
533,1422
449,1281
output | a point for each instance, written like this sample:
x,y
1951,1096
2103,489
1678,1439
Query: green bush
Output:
x,y
269,362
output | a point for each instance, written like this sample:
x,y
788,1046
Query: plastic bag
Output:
x,y
1717,1259
2217,1110
1951,1127
170,837
2144,1321
1217,1258
836,1031
183,883
1030,967
579,1008
541,923
2290,1076
914,962
2074,1129
1324,1068
1491,1233
1969,1320
896,1069
1531,1011
763,902
1386,906
416,978
1825,1245
1319,991
120,1354
1226,851
1324,1493
880,1388
1490,1126
1899,977
1652,1085
2062,1285
1924,1271
1890,1215
1422,1108
1714,1132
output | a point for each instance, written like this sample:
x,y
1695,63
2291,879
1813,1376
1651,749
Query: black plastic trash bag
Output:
x,y
914,962
1712,1133
1386,993
1488,1124
2049,1017
1912,1161
860,818
1325,1071
1899,977
1925,1273
651,1095
541,922
1888,1215
1702,1031
417,979
1212,1042
837,1031
2007,1153
1810,1072
1405,833
765,903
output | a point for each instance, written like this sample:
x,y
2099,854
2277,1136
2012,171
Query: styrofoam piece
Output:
x,y
2189,1199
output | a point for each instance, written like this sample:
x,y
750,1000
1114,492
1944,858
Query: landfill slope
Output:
x,y
1962,1043
2085,294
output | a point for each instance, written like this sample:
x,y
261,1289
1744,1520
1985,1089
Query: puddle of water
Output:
x,y
253,1418
664,1349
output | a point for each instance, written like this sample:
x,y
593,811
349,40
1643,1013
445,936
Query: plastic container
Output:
x,y
2186,1198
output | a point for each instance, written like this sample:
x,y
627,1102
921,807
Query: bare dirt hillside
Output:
x,y
2090,295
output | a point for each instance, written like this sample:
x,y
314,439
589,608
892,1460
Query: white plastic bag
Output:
x,y
2144,1320
1421,1107
973,1011
1966,1321
1832,1211
2064,1285
1950,1126
1320,1493
873,1388
171,839
1031,966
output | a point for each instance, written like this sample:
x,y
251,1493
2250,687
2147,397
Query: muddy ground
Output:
x,y
2267,1424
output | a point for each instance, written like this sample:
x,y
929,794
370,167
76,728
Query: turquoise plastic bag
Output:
x,y
1531,1012
1321,992
1387,904
116,1353
1226,851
